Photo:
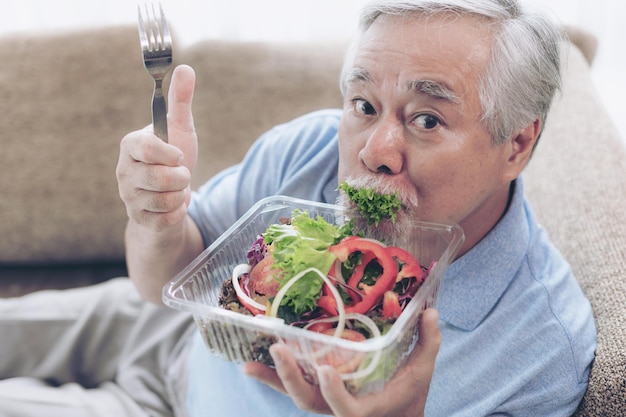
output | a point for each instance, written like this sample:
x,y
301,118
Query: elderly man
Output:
x,y
444,102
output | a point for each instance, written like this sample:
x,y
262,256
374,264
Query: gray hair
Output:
x,y
523,74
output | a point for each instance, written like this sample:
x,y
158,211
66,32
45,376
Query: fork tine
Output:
x,y
153,29
149,28
142,29
155,35
166,38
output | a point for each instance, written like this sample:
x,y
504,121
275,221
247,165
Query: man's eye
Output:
x,y
427,121
363,107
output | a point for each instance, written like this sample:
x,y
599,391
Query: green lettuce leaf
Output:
x,y
301,245
373,207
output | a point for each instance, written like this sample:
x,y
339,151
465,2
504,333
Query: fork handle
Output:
x,y
159,111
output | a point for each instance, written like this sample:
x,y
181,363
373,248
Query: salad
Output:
x,y
327,278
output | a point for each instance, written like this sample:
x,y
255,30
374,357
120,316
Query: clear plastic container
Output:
x,y
241,338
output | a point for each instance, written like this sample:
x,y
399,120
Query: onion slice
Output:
x,y
238,271
341,320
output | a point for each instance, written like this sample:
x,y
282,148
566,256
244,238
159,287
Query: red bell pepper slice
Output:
x,y
385,281
357,272
331,274
410,266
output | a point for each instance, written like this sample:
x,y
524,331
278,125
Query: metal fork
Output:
x,y
156,46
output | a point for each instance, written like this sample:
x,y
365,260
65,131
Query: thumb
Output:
x,y
429,336
421,362
181,130
420,366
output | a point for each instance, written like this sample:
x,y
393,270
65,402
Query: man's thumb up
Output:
x,y
181,130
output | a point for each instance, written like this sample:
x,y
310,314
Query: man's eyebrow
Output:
x,y
357,74
433,89
430,88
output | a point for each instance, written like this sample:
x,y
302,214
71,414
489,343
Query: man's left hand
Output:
x,y
404,396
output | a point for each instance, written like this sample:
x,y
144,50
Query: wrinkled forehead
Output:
x,y
442,30
484,13
444,43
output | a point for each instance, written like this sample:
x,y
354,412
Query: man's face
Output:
x,y
411,121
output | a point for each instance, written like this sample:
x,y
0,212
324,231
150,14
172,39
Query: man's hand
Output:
x,y
404,396
154,177
154,181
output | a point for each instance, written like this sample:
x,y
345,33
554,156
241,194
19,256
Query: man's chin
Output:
x,y
384,231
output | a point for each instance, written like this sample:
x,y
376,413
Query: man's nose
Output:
x,y
384,149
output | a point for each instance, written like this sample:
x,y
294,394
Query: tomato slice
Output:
x,y
328,304
391,305
347,334
262,283
344,361
320,326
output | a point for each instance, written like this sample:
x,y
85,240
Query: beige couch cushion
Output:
x,y
67,100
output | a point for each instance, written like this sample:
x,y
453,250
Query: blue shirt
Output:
x,y
518,335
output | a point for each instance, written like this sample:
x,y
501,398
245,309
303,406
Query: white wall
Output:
x,y
297,20
606,19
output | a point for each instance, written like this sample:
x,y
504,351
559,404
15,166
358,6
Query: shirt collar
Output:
x,y
474,283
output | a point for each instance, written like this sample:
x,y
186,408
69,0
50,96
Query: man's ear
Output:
x,y
521,147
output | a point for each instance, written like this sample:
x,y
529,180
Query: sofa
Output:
x,y
69,97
